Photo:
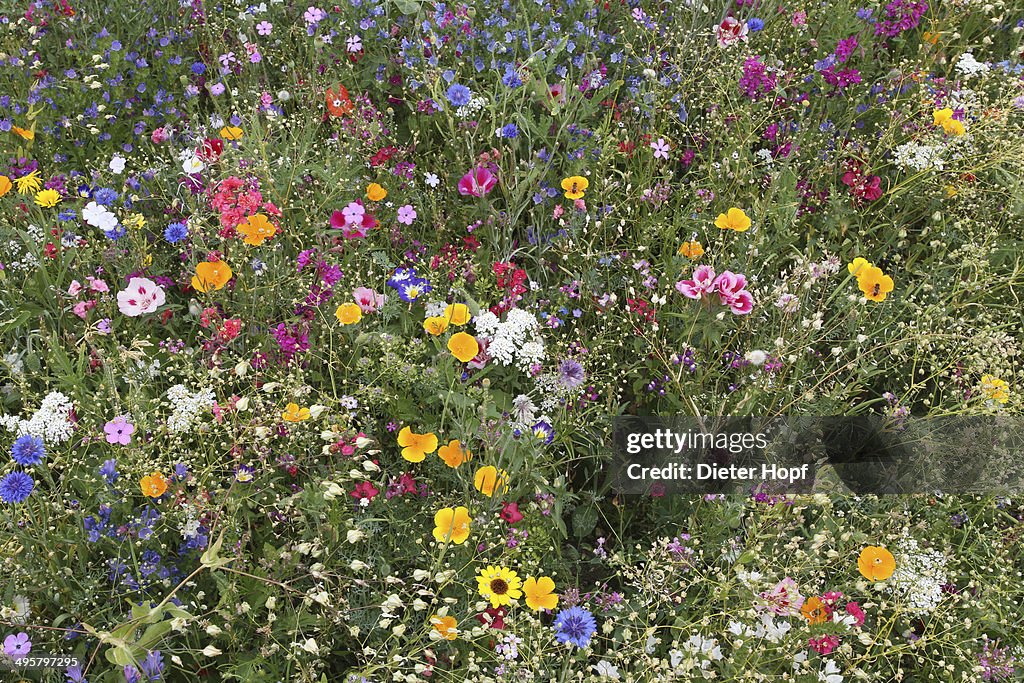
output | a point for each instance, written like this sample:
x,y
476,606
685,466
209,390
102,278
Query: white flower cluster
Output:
x,y
516,341
697,652
52,422
471,108
919,576
919,157
187,407
969,66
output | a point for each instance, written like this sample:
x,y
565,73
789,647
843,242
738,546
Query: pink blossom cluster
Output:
x,y
236,199
730,288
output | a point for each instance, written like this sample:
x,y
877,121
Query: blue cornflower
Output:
x,y
198,68
153,664
510,131
28,450
575,625
176,232
67,215
16,487
105,196
109,471
754,24
117,233
511,79
459,95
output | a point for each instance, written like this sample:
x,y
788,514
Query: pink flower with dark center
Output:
x,y
142,295
477,182
367,299
119,430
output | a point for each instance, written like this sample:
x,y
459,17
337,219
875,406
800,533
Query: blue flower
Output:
x,y
176,232
575,625
28,450
459,95
510,131
413,289
754,24
117,233
16,487
401,276
109,471
105,196
543,431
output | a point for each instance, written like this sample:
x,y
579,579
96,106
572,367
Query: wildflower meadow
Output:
x,y
316,320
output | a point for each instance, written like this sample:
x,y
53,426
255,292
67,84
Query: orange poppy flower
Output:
x,y
489,479
256,229
211,275
293,413
154,485
463,346
454,454
875,563
338,102
446,627
814,611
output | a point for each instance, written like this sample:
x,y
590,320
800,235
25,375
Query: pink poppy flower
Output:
x,y
477,182
142,295
367,299
703,282
741,303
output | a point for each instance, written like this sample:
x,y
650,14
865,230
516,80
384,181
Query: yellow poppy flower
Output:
x,y
575,186
231,133
348,313
691,249
463,346
489,479
293,413
733,219
540,593
435,325
23,133
457,314
858,265
452,524
416,446
5,185
875,284
375,192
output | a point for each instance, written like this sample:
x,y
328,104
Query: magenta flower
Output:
x,y
119,430
703,282
732,293
477,182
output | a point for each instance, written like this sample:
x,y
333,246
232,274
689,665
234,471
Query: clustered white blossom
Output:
x,y
516,341
919,156
969,66
919,576
470,108
187,407
52,422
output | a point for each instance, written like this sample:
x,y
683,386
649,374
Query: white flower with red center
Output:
x,y
730,32
142,295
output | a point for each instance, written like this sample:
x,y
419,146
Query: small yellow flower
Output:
x,y
575,186
135,221
691,250
858,265
499,585
293,413
435,325
47,198
453,454
23,133
995,389
375,192
349,313
734,219
231,133
540,593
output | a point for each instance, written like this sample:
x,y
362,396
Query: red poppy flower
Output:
x,y
338,102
